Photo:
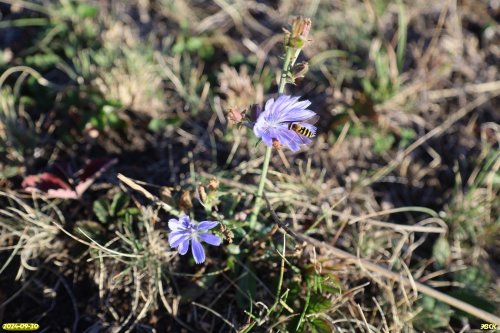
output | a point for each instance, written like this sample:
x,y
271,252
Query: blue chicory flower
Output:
x,y
183,231
273,125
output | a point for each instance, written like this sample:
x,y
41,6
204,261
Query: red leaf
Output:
x,y
56,187
44,182
95,168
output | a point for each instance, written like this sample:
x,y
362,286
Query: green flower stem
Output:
x,y
267,158
282,269
285,70
260,191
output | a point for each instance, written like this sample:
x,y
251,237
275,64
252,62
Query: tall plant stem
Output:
x,y
260,191
267,158
285,70
282,269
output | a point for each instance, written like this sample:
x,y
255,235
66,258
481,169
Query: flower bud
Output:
x,y
202,193
185,203
228,234
235,116
300,31
213,185
297,37
298,72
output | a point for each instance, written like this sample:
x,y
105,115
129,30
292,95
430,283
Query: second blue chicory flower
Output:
x,y
184,231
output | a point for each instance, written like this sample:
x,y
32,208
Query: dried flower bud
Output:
x,y
202,193
297,37
301,27
185,203
300,70
235,116
276,144
213,185
228,234
166,195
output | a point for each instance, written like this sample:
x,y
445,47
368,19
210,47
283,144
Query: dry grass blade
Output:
x,y
129,182
216,314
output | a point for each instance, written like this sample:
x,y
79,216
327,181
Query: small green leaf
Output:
x,y
318,303
407,134
230,262
100,208
108,108
233,249
91,228
70,50
194,43
9,171
156,125
185,24
434,314
133,211
330,284
42,60
496,179
114,121
473,278
319,325
86,10
120,202
97,122
236,59
27,101
383,143
206,52
179,46
441,252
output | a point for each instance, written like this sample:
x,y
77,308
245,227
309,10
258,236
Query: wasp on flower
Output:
x,y
286,121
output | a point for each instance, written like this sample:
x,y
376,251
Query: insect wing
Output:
x,y
313,120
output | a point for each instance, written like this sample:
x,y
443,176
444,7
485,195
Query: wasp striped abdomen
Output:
x,y
301,130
